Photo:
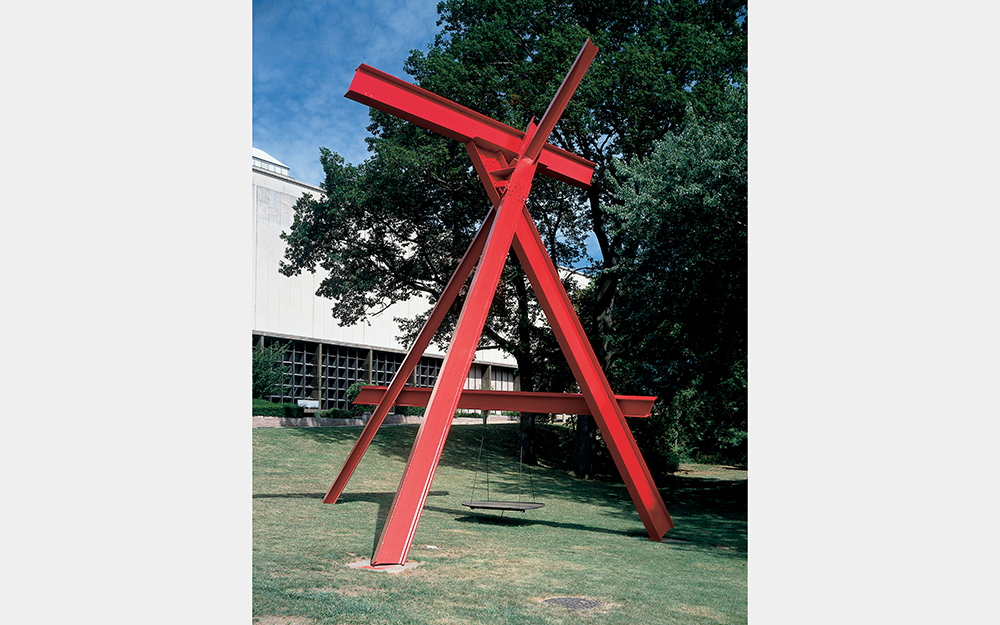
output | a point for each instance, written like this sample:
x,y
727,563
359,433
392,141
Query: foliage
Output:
x,y
268,370
264,408
658,442
684,212
338,413
396,225
355,411
411,411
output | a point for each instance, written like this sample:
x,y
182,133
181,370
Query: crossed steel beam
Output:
x,y
522,401
506,161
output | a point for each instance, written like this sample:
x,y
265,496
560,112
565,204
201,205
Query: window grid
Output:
x,y
329,376
502,379
427,371
384,366
299,359
342,367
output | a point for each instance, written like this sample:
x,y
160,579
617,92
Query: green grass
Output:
x,y
588,540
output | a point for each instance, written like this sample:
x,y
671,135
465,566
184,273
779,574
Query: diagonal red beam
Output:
x,y
514,401
428,110
448,296
485,161
588,373
561,99
404,513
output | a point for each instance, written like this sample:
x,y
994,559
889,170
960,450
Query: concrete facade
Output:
x,y
326,358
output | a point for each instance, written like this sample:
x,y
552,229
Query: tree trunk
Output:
x,y
527,432
583,446
601,324
606,281
525,363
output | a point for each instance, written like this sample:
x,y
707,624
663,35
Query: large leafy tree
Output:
x,y
396,225
683,209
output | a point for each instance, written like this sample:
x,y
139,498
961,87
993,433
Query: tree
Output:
x,y
268,370
396,225
683,210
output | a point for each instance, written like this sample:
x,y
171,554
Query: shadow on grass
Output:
x,y
720,495
709,512
703,531
289,496
461,451
377,498
382,499
384,502
512,521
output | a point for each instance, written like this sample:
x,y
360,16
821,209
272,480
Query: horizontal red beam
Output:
x,y
397,97
514,401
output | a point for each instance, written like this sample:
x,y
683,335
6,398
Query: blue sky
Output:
x,y
304,56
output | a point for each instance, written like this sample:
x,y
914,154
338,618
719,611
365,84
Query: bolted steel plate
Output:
x,y
573,603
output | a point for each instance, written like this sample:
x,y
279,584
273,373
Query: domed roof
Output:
x,y
264,156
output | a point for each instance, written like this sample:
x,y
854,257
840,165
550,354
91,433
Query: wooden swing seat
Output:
x,y
502,505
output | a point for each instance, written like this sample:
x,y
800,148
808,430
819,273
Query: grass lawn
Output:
x,y
483,566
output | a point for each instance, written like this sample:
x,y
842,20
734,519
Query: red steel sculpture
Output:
x,y
506,160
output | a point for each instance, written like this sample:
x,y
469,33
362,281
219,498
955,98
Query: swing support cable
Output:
x,y
490,504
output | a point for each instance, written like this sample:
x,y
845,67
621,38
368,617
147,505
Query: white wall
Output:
x,y
289,305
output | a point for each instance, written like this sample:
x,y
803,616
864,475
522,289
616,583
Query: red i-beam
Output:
x,y
506,160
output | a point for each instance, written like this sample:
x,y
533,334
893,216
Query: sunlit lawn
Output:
x,y
486,567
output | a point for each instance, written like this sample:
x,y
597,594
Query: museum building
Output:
x,y
324,358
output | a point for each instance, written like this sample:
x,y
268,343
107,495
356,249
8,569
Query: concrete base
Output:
x,y
385,568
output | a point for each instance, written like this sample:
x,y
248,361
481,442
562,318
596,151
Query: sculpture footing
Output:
x,y
385,568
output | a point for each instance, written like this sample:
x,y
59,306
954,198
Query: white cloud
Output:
x,y
304,60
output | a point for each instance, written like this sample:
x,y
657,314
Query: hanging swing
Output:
x,y
493,504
